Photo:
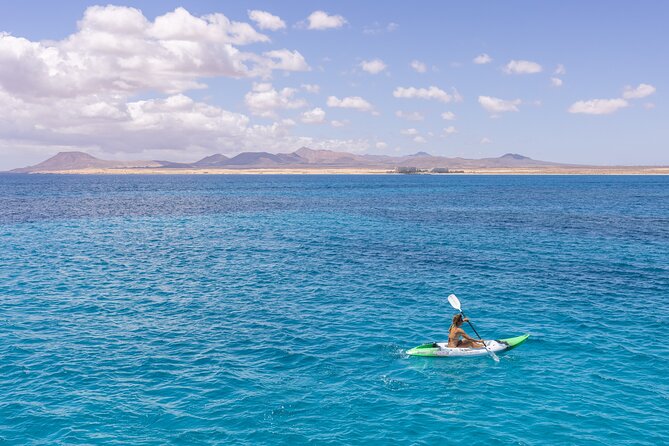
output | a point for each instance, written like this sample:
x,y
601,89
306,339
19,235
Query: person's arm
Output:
x,y
465,335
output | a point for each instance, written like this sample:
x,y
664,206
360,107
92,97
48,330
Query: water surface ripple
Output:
x,y
152,310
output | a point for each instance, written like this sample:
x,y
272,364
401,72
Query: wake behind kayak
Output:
x,y
442,349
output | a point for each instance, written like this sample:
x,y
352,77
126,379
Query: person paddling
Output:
x,y
455,333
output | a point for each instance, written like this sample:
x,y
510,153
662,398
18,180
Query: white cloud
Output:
x,y
522,67
409,116
641,91
320,20
418,66
482,59
286,60
336,123
485,140
374,66
381,145
556,82
496,105
598,106
264,100
354,102
265,20
450,130
649,105
420,140
560,70
377,28
311,88
426,93
117,50
174,127
448,116
178,25
315,116
409,132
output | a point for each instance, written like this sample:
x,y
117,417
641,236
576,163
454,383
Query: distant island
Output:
x,y
306,160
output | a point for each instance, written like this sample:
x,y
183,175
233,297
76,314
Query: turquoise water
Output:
x,y
276,309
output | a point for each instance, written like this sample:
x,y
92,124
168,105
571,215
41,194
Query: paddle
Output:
x,y
455,303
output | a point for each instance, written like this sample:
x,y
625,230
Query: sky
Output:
x,y
571,81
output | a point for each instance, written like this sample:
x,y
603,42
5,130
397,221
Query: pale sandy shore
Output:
x,y
609,170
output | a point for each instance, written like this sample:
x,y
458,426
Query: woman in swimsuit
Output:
x,y
455,333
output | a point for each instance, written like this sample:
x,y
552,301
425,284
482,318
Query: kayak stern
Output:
x,y
515,342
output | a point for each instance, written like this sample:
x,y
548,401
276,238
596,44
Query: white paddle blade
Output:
x,y
454,301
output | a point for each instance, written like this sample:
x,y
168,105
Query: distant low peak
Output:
x,y
72,154
515,156
421,154
306,151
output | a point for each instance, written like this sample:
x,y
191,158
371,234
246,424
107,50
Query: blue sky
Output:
x,y
579,82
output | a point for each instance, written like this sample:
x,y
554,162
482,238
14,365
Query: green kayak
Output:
x,y
442,348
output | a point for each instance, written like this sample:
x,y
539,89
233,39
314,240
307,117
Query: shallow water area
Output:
x,y
278,309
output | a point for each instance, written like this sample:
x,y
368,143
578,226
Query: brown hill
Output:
x,y
81,160
211,160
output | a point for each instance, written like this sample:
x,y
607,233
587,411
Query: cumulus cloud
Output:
x,y
560,70
117,50
320,20
264,100
497,105
173,127
420,140
448,116
285,60
374,66
108,124
418,66
409,116
641,91
556,82
377,28
522,67
409,132
336,123
265,20
311,88
178,25
598,106
354,102
381,145
450,130
426,93
315,116
485,140
482,59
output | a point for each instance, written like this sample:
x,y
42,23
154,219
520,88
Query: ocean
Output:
x,y
262,309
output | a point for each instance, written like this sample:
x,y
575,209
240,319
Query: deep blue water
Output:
x,y
277,309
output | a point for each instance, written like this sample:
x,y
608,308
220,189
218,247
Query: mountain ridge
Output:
x,y
304,157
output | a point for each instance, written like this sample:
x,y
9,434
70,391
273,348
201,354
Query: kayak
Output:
x,y
442,348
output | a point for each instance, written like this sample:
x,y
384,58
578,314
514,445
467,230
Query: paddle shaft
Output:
x,y
470,324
